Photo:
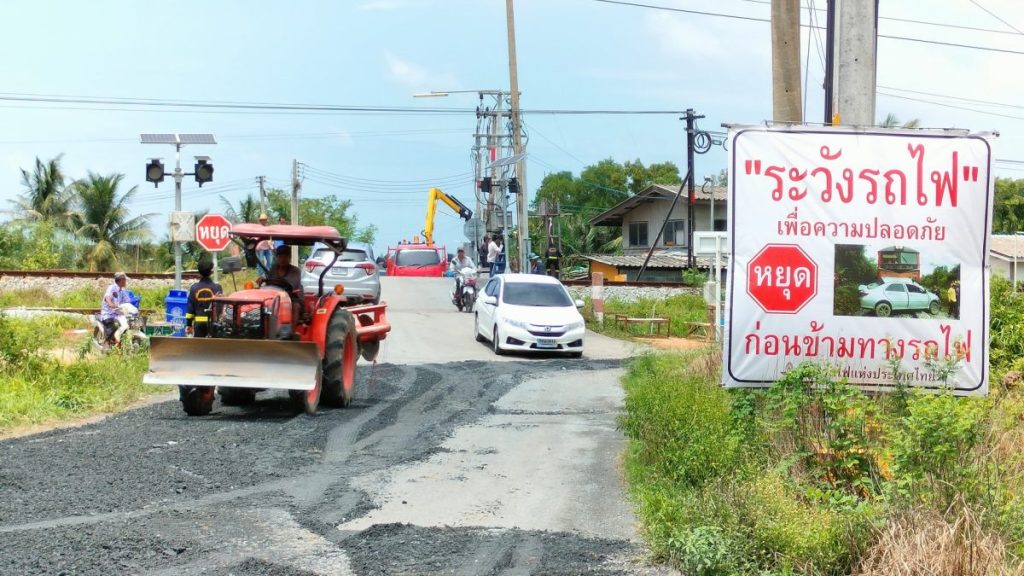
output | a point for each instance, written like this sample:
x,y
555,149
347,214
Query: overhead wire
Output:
x,y
996,16
768,20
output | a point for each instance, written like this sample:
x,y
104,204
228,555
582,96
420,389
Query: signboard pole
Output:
x,y
216,268
718,290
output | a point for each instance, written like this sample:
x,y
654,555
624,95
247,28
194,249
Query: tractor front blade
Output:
x,y
285,365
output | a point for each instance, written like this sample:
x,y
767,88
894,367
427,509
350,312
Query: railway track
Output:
x,y
90,275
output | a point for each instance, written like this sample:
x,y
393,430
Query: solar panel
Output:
x,y
159,139
197,139
502,162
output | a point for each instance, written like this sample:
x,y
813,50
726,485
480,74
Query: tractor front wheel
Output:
x,y
308,400
342,351
198,401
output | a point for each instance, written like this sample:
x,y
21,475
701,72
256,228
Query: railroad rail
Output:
x,y
92,275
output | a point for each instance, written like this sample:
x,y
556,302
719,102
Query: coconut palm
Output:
x,y
891,121
103,221
248,210
46,197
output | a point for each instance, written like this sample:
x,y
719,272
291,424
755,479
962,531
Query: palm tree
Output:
x,y
46,198
891,121
104,222
248,210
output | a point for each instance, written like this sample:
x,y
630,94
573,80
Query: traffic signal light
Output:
x,y
155,172
203,171
513,186
485,185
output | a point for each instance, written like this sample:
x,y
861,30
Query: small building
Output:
x,y
661,268
641,216
1006,255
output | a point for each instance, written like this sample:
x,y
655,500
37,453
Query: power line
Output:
x,y
953,106
972,100
996,16
756,19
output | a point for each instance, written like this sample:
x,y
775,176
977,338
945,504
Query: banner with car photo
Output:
x,y
865,250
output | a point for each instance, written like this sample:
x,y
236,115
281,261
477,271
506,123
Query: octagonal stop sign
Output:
x,y
212,232
782,278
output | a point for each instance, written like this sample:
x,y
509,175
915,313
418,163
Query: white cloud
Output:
x,y
416,76
381,5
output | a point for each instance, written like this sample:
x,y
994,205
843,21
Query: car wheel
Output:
x,y
497,347
933,308
476,329
883,310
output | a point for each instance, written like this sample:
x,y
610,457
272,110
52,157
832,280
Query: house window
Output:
x,y
675,233
720,225
638,234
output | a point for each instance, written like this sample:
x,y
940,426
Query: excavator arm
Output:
x,y
456,206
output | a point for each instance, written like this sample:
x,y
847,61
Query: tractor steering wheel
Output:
x,y
280,283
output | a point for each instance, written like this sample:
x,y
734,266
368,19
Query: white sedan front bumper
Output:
x,y
516,337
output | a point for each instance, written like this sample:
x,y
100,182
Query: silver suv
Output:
x,y
355,270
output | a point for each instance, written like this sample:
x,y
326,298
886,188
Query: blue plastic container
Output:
x,y
133,299
176,305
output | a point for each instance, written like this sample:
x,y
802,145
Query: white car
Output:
x,y
528,313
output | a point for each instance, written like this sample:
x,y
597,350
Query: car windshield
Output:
x,y
530,294
350,255
417,258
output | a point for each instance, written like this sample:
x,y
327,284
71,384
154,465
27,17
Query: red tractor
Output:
x,y
266,338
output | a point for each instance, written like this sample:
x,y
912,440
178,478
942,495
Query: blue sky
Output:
x,y
574,54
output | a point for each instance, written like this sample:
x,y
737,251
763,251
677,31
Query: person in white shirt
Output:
x,y
492,253
458,263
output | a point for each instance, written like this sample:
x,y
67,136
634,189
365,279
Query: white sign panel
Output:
x,y
863,250
182,227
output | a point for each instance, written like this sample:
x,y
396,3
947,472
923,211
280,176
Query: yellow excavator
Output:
x,y
455,205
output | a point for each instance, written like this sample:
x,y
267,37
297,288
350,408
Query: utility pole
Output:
x,y
295,203
851,62
263,196
691,131
517,142
786,61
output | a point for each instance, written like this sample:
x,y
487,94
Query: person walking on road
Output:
x,y
265,249
200,298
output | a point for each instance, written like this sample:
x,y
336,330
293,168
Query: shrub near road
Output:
x,y
814,477
36,387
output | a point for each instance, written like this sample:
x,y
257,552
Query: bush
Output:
x,y
680,309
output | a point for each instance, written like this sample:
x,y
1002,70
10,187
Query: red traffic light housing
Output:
x,y
203,171
155,172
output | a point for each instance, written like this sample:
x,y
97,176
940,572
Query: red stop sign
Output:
x,y
212,232
782,278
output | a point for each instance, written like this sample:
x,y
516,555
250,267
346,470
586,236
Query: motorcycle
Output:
x,y
465,295
134,337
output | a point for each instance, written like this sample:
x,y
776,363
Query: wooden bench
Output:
x,y
706,329
655,323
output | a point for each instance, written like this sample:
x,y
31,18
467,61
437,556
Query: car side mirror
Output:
x,y
492,300
579,303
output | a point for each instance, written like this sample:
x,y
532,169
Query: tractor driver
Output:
x,y
284,270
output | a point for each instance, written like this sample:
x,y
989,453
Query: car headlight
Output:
x,y
575,325
515,323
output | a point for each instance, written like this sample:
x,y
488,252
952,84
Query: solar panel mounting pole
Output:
x,y
177,208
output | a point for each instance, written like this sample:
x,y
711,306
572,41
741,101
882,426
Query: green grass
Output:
x,y
680,309
37,388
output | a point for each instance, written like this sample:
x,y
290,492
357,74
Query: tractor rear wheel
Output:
x,y
237,396
342,351
198,401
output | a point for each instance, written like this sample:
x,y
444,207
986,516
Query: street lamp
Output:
x,y
155,173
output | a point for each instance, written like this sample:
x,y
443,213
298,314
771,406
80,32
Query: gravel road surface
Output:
x,y
448,462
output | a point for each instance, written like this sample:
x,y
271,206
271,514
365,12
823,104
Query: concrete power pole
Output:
x,y
786,61
517,141
295,205
263,196
853,33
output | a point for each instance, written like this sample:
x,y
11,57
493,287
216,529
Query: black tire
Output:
x,y
576,354
883,310
476,329
933,308
198,401
237,396
470,302
458,304
308,400
340,342
494,340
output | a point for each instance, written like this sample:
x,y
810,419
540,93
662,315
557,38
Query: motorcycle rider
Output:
x,y
200,296
458,263
110,311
